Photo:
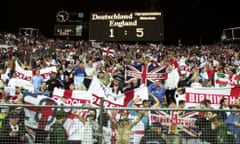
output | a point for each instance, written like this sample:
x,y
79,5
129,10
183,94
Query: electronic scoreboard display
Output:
x,y
68,30
126,26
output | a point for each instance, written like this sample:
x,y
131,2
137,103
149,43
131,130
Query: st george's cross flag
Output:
x,y
98,90
24,77
108,52
72,97
147,74
41,118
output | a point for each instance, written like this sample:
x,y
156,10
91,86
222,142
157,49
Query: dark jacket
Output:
x,y
207,134
153,137
52,83
223,114
5,136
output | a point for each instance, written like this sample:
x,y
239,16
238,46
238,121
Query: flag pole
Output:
x,y
100,130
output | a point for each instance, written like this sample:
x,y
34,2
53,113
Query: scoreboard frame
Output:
x,y
126,26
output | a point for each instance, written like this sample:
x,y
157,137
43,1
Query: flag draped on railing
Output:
x,y
176,122
39,117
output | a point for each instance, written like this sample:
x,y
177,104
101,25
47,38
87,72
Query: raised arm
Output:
x,y
136,101
156,100
80,117
141,114
113,121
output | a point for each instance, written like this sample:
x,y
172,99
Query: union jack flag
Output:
x,y
177,122
147,74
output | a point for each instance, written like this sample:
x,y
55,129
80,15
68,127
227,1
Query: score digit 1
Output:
x,y
111,33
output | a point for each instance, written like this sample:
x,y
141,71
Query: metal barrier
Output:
x,y
104,125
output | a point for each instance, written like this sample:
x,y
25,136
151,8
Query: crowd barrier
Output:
x,y
172,126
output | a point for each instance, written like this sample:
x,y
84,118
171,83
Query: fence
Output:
x,y
104,125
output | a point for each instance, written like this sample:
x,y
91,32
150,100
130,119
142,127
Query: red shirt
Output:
x,y
211,73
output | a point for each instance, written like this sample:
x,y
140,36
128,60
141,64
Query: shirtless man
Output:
x,y
124,126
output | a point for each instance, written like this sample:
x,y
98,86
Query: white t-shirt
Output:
x,y
74,129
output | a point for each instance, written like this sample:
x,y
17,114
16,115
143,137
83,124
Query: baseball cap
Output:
x,y
60,114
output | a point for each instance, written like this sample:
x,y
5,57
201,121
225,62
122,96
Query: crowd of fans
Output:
x,y
186,66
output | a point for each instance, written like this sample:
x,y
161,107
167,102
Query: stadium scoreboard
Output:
x,y
126,26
